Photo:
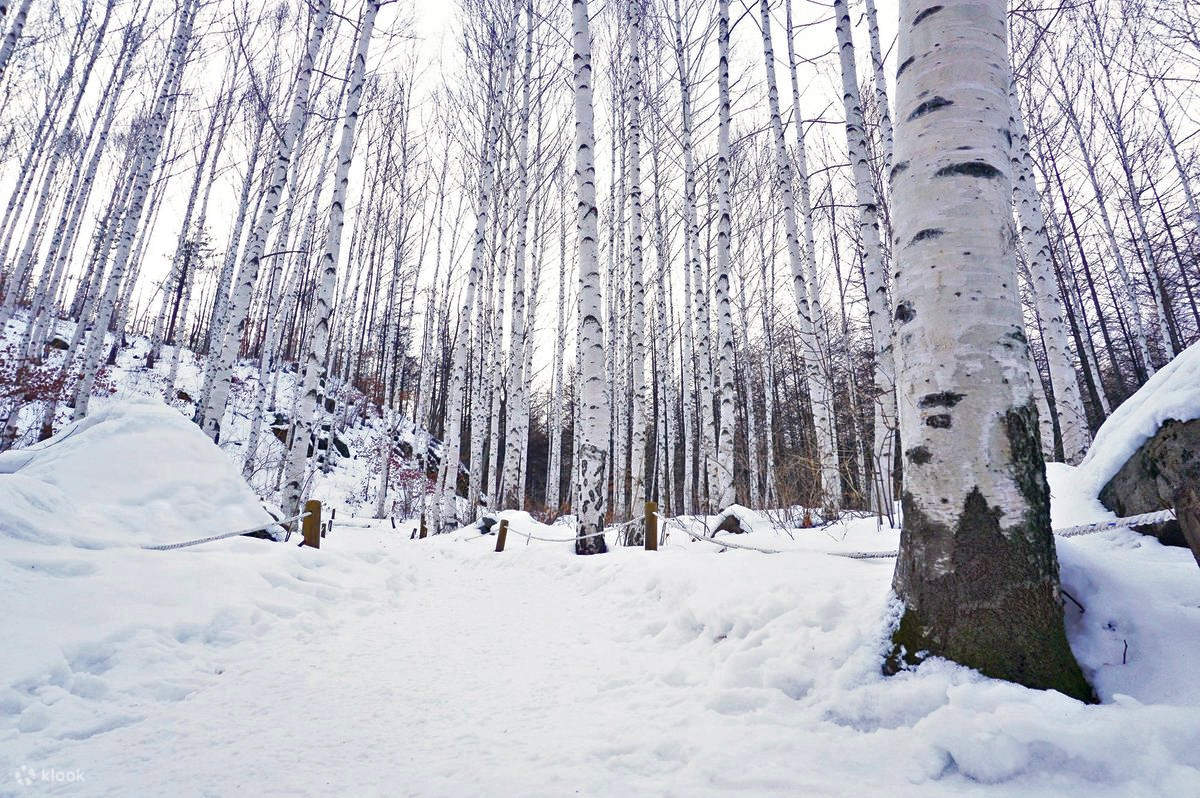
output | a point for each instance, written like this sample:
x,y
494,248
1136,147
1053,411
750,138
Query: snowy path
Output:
x,y
383,666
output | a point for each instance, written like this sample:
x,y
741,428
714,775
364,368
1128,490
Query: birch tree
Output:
x,y
592,426
14,33
873,267
977,574
315,370
723,495
210,416
518,402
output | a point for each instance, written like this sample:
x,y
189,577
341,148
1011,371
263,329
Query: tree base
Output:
x,y
1040,659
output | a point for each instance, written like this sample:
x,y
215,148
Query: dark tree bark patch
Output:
x,y
941,399
919,455
992,601
926,14
932,104
969,169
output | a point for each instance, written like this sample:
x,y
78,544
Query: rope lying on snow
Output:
x,y
1160,517
728,544
197,542
1066,532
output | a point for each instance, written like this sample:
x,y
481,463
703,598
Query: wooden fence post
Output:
x,y
502,535
651,526
312,524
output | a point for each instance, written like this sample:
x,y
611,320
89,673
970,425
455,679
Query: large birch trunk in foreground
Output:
x,y
977,572
592,429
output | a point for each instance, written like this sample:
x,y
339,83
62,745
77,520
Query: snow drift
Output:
x,y
130,474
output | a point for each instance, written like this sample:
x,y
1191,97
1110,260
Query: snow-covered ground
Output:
x,y
381,665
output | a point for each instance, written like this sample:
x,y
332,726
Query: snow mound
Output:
x,y
131,474
739,519
1174,392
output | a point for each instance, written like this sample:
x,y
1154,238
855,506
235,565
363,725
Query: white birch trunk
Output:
x,y
724,493
592,427
637,327
876,280
315,371
228,346
881,98
517,416
1072,420
14,33
977,573
554,466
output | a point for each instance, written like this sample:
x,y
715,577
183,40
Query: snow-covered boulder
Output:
x,y
131,474
1150,446
739,520
1149,479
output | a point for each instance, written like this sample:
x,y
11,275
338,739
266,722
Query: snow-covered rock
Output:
x,y
1149,479
130,474
739,520
1150,446
1172,393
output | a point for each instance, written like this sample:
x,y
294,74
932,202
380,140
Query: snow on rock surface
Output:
x,y
1173,392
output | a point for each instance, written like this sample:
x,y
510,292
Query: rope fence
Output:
x,y
210,539
1157,517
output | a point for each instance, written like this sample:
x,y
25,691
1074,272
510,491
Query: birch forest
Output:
x,y
797,260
